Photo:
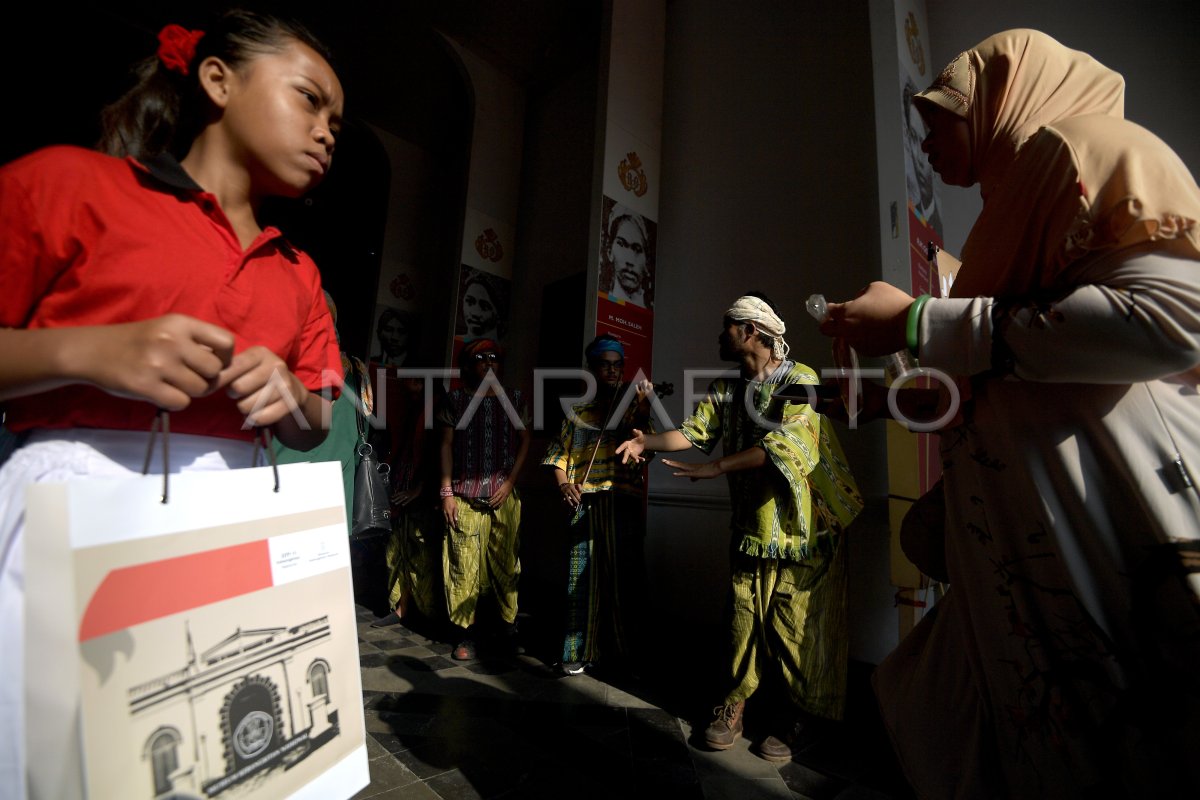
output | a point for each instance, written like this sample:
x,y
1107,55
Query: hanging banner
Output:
x,y
625,280
625,300
923,215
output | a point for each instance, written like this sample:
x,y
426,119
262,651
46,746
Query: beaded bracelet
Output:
x,y
446,491
912,329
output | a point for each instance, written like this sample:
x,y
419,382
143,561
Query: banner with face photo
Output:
x,y
914,463
625,297
482,311
924,224
397,336
187,649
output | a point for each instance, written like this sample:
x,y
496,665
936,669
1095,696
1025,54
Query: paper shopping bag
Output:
x,y
200,648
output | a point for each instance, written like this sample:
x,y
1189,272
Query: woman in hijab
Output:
x,y
1065,658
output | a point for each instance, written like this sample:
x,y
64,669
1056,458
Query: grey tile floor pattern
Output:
x,y
515,727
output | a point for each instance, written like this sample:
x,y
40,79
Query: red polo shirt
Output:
x,y
88,239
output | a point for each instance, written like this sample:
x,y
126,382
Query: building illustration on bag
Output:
x,y
254,702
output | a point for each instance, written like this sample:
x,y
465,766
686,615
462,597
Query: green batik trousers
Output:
x,y
480,556
606,578
413,558
790,616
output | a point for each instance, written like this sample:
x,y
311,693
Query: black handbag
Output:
x,y
372,506
372,509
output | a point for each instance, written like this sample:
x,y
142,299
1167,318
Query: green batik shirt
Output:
x,y
572,450
805,495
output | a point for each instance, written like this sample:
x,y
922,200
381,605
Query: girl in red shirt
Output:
x,y
147,282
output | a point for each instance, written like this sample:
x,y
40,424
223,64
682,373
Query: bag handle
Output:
x,y
366,402
366,397
162,418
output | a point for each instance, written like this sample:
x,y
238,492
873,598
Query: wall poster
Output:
x,y
625,297
481,311
397,334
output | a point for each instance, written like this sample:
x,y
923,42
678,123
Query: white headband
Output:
x,y
752,309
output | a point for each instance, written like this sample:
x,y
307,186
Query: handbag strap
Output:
x,y
366,404
366,397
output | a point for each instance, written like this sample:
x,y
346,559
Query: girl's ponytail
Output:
x,y
143,121
166,108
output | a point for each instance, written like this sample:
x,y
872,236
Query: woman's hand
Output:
x,y
265,389
697,471
874,322
167,361
572,493
403,498
450,511
501,494
632,449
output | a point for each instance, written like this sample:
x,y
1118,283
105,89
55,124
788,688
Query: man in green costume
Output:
x,y
792,496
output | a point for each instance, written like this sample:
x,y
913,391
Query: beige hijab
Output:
x,y
1062,174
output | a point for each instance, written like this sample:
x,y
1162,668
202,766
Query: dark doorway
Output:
x,y
341,226
73,62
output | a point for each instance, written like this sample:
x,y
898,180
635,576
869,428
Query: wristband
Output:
x,y
912,328
446,491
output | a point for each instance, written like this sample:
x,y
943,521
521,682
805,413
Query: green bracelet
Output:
x,y
912,329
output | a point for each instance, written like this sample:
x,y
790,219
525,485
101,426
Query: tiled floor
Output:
x,y
515,727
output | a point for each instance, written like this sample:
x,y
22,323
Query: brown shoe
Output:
x,y
803,735
775,749
726,728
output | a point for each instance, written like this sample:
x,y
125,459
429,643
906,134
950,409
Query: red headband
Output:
x,y
177,47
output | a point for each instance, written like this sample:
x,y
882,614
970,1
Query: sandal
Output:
x,y
465,651
384,622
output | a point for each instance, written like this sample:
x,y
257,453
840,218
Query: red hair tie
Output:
x,y
177,47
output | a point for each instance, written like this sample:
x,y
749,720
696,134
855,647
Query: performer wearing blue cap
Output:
x,y
605,572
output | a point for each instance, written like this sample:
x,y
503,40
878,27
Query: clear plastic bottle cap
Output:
x,y
815,305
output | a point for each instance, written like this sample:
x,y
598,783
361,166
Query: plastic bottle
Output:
x,y
844,357
897,364
816,307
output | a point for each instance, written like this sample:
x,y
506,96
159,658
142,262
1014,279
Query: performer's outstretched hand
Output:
x,y
632,449
704,469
